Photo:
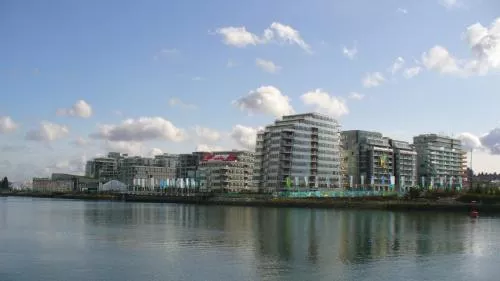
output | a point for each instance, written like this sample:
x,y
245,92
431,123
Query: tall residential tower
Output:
x,y
304,148
441,159
372,159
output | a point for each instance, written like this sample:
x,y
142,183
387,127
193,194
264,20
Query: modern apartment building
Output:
x,y
304,148
127,168
405,163
372,159
228,170
187,165
441,160
103,168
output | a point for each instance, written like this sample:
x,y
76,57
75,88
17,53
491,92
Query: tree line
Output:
x,y
4,184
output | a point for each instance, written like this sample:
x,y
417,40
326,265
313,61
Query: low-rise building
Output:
x,y
227,170
49,185
80,183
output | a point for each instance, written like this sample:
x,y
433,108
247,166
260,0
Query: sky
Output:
x,y
81,78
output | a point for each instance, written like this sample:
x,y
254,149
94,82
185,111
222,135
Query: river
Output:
x,y
44,239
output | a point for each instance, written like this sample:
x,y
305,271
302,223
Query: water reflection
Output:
x,y
312,236
62,239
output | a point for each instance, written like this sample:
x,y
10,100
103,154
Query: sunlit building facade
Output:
x,y
303,148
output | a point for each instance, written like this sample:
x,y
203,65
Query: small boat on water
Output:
x,y
474,213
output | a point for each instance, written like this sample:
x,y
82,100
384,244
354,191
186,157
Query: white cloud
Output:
x,y
489,142
80,109
276,32
287,34
350,53
207,134
238,36
7,125
438,58
73,165
485,45
402,11
132,148
173,102
411,72
356,96
47,132
372,80
470,141
245,136
265,100
155,151
142,129
449,4
325,103
82,142
267,65
397,65
208,148
198,78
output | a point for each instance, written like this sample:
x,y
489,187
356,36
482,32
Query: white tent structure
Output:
x,y
114,185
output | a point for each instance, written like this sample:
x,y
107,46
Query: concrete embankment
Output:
x,y
268,201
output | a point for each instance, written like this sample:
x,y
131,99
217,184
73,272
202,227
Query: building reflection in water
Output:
x,y
274,238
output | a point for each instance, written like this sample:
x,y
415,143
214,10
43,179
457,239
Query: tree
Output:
x,y
4,184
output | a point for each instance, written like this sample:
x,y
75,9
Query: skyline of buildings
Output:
x,y
308,149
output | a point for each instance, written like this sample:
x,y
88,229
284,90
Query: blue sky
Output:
x,y
207,74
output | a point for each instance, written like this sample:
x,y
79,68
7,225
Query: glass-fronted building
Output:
x,y
301,148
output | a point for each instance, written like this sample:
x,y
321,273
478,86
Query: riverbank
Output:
x,y
391,203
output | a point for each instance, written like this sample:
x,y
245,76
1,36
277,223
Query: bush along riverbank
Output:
x,y
444,202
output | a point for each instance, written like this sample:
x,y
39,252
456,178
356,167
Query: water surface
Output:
x,y
43,239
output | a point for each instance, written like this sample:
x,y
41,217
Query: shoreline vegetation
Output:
x,y
485,203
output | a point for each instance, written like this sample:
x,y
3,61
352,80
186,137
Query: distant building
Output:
x,y
369,157
133,170
49,185
187,165
441,159
103,168
147,172
228,170
304,148
405,163
80,183
372,159
170,162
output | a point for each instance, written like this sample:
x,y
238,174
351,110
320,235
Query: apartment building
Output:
x,y
405,163
374,160
129,169
227,170
149,171
187,165
304,148
103,168
441,160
